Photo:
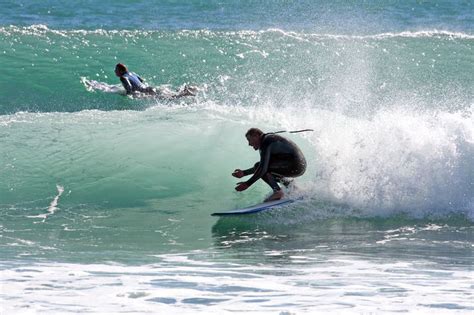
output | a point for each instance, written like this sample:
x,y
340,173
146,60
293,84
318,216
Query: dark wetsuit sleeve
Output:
x,y
126,84
262,168
249,171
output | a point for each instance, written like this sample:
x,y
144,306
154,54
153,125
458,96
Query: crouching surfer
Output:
x,y
280,159
134,84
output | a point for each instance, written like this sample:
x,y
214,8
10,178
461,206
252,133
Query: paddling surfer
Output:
x,y
280,158
134,84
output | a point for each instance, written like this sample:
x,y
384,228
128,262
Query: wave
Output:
x,y
392,117
394,162
41,30
405,34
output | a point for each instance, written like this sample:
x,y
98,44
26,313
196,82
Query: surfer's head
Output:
x,y
120,69
254,137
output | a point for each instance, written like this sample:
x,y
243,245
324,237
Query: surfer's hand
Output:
x,y
241,186
238,173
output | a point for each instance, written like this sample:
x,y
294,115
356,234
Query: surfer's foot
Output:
x,y
188,91
286,181
277,195
149,90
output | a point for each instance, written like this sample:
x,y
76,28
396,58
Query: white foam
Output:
x,y
52,206
93,85
43,30
405,34
398,161
186,286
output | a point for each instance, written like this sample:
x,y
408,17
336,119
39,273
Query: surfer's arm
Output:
x,y
250,170
241,173
262,167
127,85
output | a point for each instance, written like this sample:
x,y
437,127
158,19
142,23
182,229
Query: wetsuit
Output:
x,y
133,83
279,158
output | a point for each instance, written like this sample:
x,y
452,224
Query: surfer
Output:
x,y
134,84
280,158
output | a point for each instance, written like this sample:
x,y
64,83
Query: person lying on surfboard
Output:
x,y
134,84
280,158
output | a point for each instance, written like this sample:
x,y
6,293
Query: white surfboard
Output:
x,y
256,208
163,91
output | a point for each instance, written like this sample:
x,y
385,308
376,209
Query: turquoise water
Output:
x,y
105,200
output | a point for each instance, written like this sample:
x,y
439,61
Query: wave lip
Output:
x,y
404,34
42,29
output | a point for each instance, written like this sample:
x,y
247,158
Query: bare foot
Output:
x,y
277,195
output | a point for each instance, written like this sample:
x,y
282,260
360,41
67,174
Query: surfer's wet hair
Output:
x,y
254,132
121,67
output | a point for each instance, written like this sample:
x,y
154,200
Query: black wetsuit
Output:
x,y
133,83
279,158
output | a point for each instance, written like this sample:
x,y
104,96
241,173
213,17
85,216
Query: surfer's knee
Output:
x,y
271,181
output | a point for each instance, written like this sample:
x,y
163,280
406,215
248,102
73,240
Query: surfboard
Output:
x,y
164,91
256,208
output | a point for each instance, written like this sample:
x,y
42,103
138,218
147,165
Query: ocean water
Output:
x,y
105,200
